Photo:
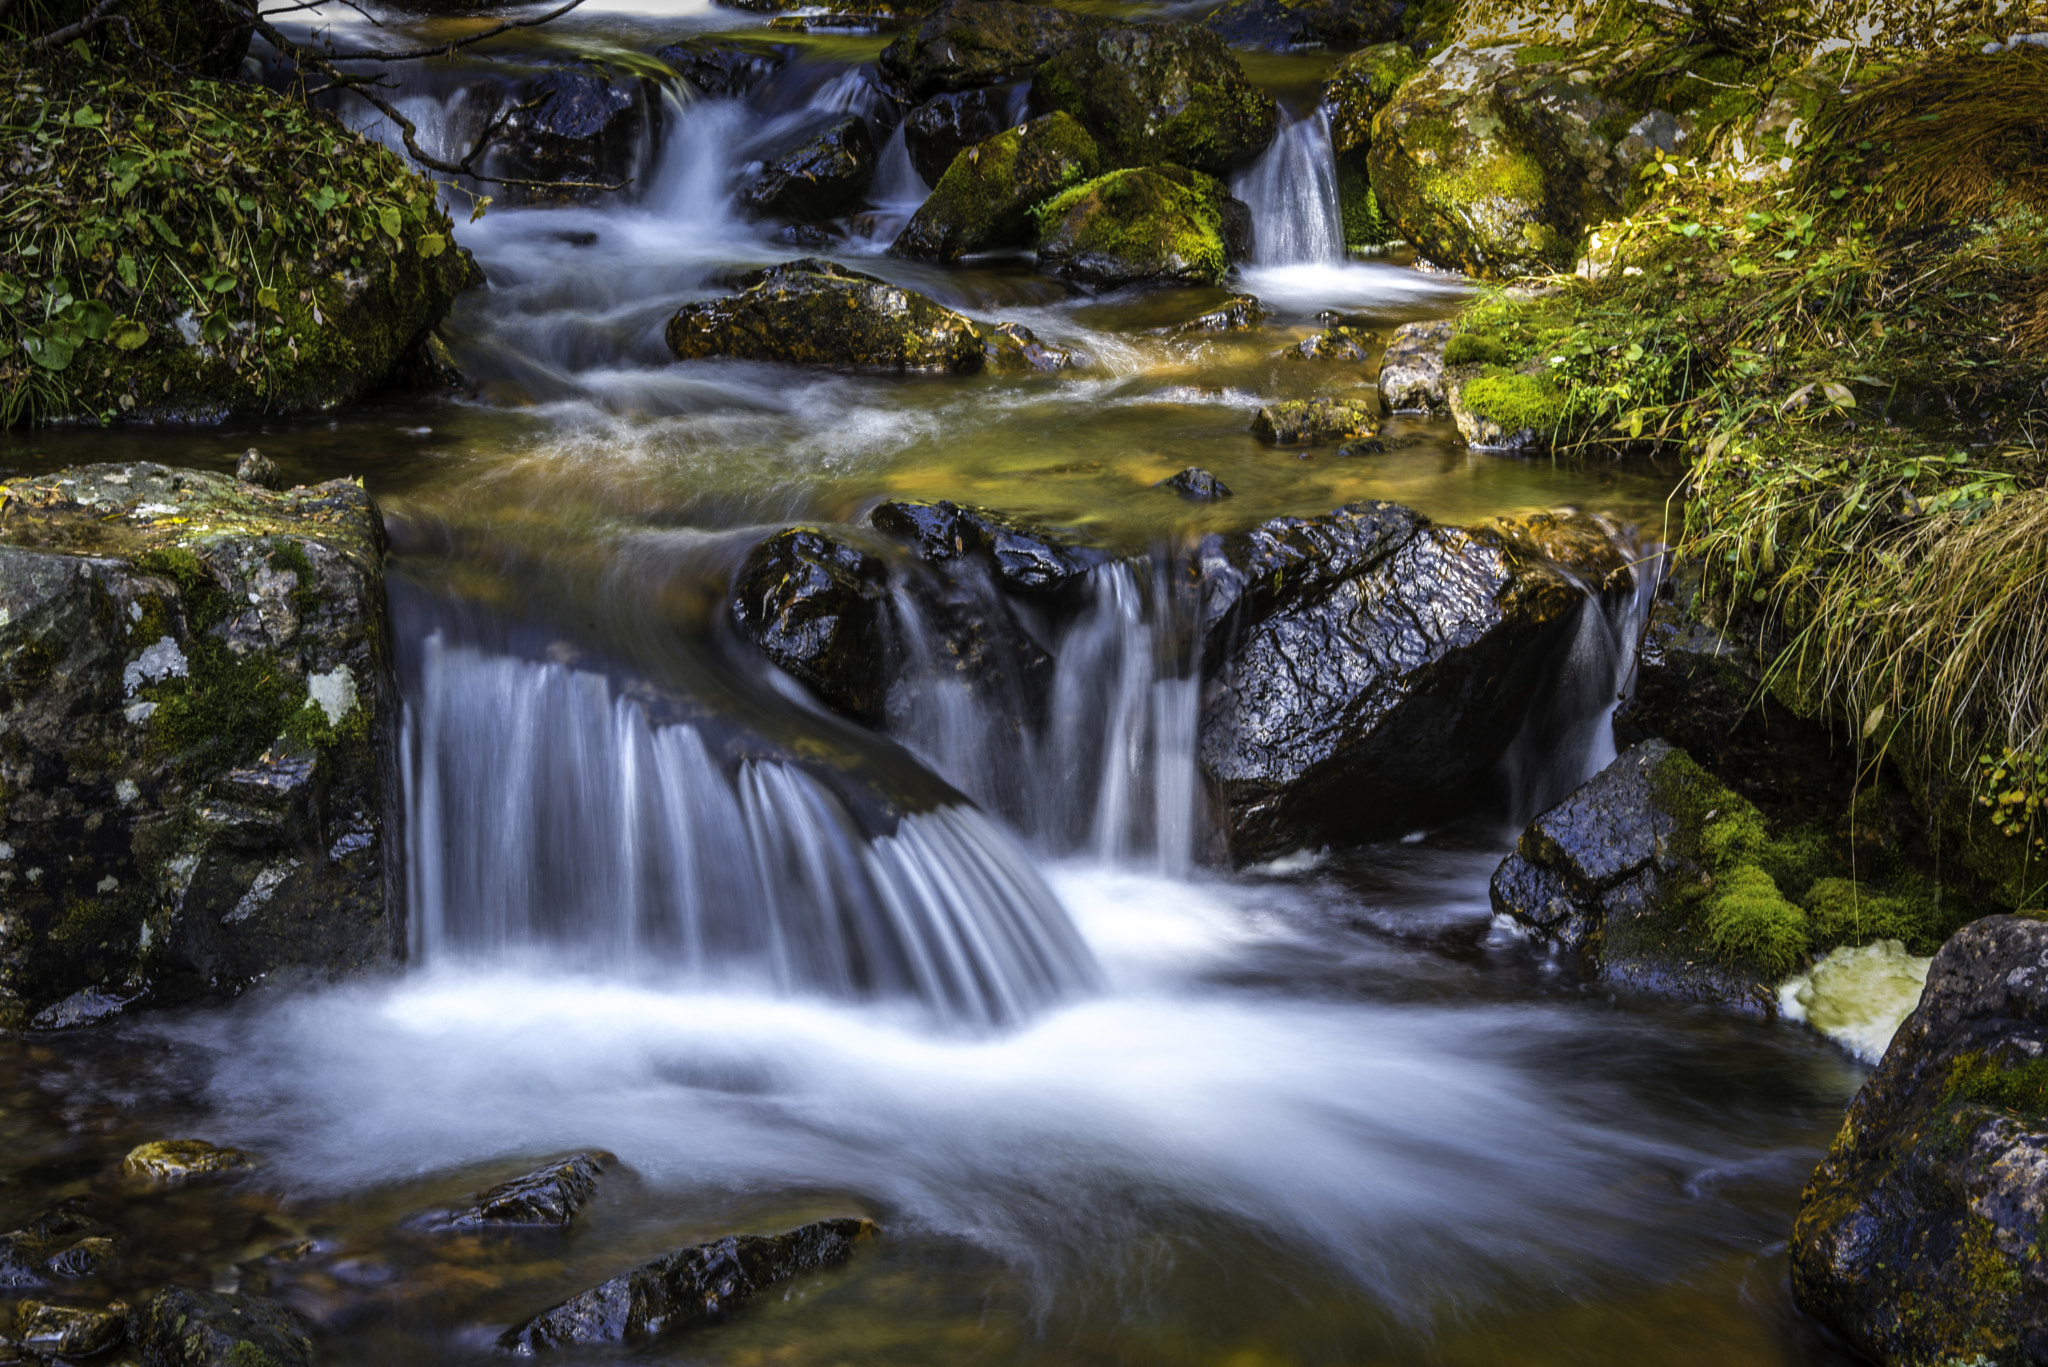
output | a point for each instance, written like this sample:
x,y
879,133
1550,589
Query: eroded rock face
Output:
x,y
1918,1238
985,198
1412,369
695,1286
823,177
196,717
971,43
813,312
944,126
1367,669
1164,225
186,1328
1159,94
1498,166
814,606
1280,24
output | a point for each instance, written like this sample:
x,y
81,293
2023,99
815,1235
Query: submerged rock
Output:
x,y
64,1243
180,1327
1196,485
944,126
823,177
1306,23
1021,558
1367,669
965,44
985,198
196,725
814,606
549,1196
695,1286
813,312
1412,370
168,1161
1163,225
1918,1238
1012,348
1160,94
1316,422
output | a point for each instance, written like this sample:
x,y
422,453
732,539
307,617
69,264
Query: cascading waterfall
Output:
x,y
1292,192
547,813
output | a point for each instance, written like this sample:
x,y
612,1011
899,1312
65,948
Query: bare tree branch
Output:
x,y
98,15
361,13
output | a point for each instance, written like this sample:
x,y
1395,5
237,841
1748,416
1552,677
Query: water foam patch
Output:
x,y
1858,997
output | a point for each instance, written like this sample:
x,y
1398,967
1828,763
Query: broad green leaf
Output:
x,y
388,218
127,335
432,244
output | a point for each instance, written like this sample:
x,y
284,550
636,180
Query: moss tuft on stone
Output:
x,y
1163,223
985,198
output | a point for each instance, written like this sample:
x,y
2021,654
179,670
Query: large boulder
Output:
x,y
580,123
696,1286
986,196
1352,98
1368,668
1919,1237
1164,224
813,312
944,126
814,604
965,44
197,717
185,1328
1160,94
1498,164
822,177
1306,23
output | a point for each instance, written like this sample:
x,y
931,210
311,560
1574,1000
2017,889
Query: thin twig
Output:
x,y
99,14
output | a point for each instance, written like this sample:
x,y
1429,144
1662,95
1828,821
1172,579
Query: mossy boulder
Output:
x,y
1352,98
944,126
1317,422
822,177
965,44
1499,164
1920,1237
1279,24
197,720
813,312
1502,409
985,199
1160,94
1163,224
247,253
180,1327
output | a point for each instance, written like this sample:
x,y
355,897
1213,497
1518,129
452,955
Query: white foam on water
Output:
x,y
1858,997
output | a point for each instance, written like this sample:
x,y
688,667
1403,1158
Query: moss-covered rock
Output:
x,y
180,1327
170,1162
1161,94
197,718
822,177
944,126
206,249
1352,98
1317,422
1164,224
966,44
1498,409
813,312
1922,1237
985,199
1498,164
1348,346
1306,23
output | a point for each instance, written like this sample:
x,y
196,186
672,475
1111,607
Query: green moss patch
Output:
x,y
1161,223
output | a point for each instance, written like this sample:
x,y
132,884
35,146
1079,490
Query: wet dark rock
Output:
x,y
258,469
1704,693
970,43
1238,313
180,1327
87,1006
814,606
580,123
824,177
813,312
1316,422
1366,670
1012,348
1596,876
1918,1238
67,1242
1022,559
1196,485
68,1331
196,719
1347,345
1412,370
171,1161
428,366
696,1286
722,68
549,1196
808,236
1162,225
986,196
1277,24
1160,94
944,126
1371,447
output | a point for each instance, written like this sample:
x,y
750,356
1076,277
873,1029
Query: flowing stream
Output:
x,y
970,972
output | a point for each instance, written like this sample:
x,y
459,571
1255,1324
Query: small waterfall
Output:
x,y
546,814
897,185
691,184
1099,757
1292,191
